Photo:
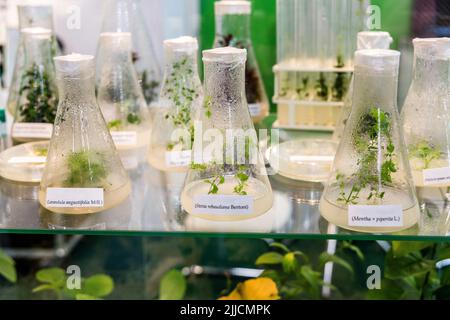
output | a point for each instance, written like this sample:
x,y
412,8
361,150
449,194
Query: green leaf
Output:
x,y
55,276
82,296
7,268
326,257
390,290
406,266
45,287
355,249
290,263
270,258
280,246
99,285
173,286
402,248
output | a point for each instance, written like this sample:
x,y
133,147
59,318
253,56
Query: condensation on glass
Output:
x,y
127,16
370,188
83,173
227,179
121,99
233,29
180,99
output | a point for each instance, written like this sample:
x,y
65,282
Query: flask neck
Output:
x,y
375,90
78,91
233,30
38,52
181,71
429,74
225,87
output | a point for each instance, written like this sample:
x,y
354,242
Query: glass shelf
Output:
x,y
153,209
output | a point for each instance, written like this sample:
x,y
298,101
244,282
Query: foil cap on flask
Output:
x,y
432,48
374,40
74,66
232,7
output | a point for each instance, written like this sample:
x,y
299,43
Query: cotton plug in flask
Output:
x,y
30,16
36,101
121,100
370,188
227,179
366,40
233,29
180,98
425,120
83,173
126,16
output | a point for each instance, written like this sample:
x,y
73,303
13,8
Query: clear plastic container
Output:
x,y
24,163
30,16
425,119
83,172
36,101
228,179
127,16
233,29
315,45
370,188
180,99
121,100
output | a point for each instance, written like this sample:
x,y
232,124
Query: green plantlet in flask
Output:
x,y
86,169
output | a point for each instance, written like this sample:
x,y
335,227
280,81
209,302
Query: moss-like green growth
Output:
x,y
86,170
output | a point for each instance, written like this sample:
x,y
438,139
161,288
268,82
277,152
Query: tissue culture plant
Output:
x,y
321,87
41,100
374,125
426,152
86,169
149,86
183,98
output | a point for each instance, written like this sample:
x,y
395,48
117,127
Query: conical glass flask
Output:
x,y
425,118
30,16
83,173
370,188
233,29
227,179
181,96
126,16
120,97
36,102
366,40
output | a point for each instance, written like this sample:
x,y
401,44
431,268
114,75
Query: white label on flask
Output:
x,y
178,158
32,130
25,160
255,109
124,138
375,216
74,198
436,176
223,205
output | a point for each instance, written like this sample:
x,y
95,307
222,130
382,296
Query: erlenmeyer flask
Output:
x,y
425,120
30,16
370,188
233,29
126,16
120,97
83,173
36,102
181,96
366,40
227,179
